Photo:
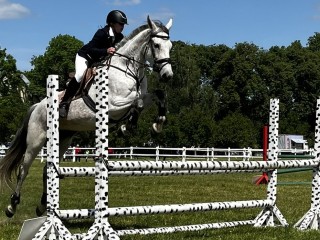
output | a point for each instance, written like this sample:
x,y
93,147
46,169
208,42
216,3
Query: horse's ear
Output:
x,y
151,24
169,24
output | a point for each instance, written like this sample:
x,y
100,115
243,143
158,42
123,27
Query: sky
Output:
x,y
27,26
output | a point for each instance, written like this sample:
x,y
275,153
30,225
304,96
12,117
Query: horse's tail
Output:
x,y
10,163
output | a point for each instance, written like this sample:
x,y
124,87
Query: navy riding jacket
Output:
x,y
96,49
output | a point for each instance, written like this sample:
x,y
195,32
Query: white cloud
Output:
x,y
124,2
10,10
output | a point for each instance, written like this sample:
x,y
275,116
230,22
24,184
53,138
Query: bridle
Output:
x,y
157,66
158,63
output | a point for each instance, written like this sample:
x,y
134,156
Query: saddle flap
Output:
x,y
86,82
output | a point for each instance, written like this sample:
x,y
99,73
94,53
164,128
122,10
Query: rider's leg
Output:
x,y
81,65
71,90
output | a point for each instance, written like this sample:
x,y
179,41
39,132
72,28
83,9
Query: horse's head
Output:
x,y
160,46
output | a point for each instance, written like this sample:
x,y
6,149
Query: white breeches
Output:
x,y
81,65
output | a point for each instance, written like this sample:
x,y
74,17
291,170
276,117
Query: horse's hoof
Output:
x,y
40,210
156,128
123,130
9,212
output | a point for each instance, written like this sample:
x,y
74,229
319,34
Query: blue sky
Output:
x,y
27,26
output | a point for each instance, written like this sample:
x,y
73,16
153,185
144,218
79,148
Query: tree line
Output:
x,y
219,96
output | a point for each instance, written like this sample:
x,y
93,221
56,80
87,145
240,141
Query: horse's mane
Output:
x,y
135,32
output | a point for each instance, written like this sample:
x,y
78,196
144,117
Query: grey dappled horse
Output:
x,y
127,89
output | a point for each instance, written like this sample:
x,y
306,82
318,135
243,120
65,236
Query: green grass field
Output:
x,y
293,202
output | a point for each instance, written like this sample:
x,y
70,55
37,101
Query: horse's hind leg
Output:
x,y
33,148
65,138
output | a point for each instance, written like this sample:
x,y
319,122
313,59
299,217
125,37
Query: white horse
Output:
x,y
127,91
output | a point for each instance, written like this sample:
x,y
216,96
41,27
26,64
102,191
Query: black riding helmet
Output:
x,y
117,16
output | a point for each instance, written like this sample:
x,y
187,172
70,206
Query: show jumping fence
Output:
x,y
179,153
270,215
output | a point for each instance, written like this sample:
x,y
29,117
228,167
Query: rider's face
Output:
x,y
118,27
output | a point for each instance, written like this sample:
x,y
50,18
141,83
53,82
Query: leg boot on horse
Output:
x,y
162,110
132,121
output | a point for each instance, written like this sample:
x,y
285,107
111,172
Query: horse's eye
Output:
x,y
156,45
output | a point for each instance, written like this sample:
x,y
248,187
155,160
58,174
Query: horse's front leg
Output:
x,y
161,101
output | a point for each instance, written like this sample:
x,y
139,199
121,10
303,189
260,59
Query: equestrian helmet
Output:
x,y
117,16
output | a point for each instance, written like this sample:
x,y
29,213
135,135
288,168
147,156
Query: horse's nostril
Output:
x,y
166,77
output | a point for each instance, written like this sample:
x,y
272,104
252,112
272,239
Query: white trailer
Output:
x,y
290,141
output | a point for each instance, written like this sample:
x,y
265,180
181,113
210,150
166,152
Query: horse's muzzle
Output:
x,y
165,77
163,67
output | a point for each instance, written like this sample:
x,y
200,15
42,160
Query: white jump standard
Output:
x,y
52,228
311,219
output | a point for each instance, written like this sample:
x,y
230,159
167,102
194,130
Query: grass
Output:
x,y
293,202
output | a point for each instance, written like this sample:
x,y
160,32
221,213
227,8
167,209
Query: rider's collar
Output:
x,y
111,33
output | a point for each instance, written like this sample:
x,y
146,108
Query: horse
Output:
x,y
147,46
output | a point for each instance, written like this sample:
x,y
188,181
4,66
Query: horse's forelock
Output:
x,y
160,25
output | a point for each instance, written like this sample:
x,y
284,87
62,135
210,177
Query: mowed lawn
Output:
x,y
293,202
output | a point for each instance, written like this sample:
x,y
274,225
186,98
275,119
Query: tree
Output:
x,y
13,104
58,59
235,131
314,42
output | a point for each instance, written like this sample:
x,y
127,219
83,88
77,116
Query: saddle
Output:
x,y
84,87
86,82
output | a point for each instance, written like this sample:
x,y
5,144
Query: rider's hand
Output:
x,y
111,50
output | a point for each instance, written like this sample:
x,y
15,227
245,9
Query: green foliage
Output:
x,y
236,131
58,59
12,96
219,96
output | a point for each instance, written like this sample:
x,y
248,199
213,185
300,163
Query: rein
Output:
x,y
158,63
128,70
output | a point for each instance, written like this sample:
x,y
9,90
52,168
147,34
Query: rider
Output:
x,y
101,45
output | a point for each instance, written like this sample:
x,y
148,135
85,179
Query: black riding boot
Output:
x,y
71,90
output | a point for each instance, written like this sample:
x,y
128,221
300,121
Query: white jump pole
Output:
x,y
101,228
311,219
52,228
